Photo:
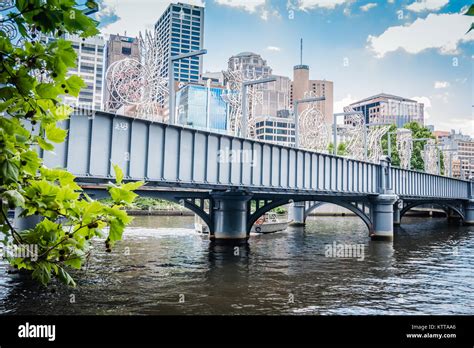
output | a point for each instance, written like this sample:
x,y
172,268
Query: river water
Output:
x,y
163,267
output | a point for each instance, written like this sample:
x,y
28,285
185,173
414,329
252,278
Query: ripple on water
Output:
x,y
427,269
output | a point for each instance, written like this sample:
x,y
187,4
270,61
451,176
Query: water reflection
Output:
x,y
163,267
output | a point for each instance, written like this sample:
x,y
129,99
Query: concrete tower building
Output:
x,y
321,88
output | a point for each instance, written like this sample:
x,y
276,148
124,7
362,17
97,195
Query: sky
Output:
x,y
416,49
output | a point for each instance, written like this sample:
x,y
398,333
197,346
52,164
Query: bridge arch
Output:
x,y
444,206
344,204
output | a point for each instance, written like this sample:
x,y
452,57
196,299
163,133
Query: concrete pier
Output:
x,y
297,213
383,216
230,216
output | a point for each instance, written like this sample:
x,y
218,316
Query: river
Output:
x,y
163,267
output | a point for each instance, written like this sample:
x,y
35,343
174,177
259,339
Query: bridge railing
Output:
x,y
170,155
413,183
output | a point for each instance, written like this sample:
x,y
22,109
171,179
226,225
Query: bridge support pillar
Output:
x,y
397,207
296,213
382,215
230,216
469,212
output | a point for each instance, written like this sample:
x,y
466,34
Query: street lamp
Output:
x,y
334,150
295,112
245,84
171,61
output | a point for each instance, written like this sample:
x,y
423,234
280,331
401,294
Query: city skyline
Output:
x,y
362,56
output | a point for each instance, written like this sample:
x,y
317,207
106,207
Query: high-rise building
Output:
x,y
202,107
180,29
252,64
279,130
302,85
90,67
389,108
274,95
462,158
119,47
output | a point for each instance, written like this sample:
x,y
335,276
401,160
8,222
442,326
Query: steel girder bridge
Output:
x,y
230,181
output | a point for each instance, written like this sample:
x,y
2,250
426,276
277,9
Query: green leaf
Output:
x,y
74,85
55,134
44,144
118,174
47,90
10,171
14,197
75,262
65,277
42,272
470,11
121,195
116,230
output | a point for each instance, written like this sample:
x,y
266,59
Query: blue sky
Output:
x,y
412,48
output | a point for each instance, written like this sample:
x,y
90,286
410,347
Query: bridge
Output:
x,y
230,181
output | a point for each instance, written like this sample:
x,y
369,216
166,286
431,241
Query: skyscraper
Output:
x,y
90,67
320,88
119,47
181,30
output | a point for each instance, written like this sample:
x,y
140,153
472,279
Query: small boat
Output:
x,y
269,223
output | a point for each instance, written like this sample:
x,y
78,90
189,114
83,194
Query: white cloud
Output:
x,y
426,5
427,102
274,48
390,1
439,31
327,4
368,6
247,5
441,84
346,101
136,15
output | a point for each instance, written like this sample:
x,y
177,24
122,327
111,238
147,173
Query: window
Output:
x,y
196,13
127,50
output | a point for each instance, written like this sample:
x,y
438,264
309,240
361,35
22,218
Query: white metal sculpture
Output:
x,y
404,147
374,140
139,84
233,97
314,132
430,157
354,133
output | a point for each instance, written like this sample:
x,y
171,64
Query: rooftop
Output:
x,y
384,96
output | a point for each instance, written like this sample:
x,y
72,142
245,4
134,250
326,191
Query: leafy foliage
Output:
x,y
470,12
341,149
31,107
418,132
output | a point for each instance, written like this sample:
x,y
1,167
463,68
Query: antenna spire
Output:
x,y
301,51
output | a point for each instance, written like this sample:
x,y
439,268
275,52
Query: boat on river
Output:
x,y
267,223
